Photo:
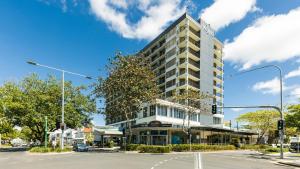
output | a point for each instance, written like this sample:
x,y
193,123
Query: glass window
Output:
x,y
145,111
152,110
162,110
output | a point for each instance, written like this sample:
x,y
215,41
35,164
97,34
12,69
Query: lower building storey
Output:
x,y
164,135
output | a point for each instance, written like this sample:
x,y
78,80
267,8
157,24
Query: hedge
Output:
x,y
273,150
200,147
176,147
154,149
48,150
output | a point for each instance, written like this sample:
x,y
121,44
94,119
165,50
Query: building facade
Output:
x,y
186,56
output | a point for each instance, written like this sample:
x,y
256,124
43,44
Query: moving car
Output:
x,y
80,147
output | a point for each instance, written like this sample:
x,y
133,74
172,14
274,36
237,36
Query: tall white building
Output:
x,y
186,56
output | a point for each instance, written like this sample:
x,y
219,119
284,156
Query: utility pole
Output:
x,y
62,125
46,131
281,132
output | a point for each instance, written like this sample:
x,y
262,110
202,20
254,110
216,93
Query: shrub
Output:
x,y
200,147
111,144
273,150
154,149
253,147
132,147
48,150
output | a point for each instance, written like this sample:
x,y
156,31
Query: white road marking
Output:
x,y
197,161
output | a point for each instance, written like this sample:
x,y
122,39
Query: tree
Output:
x,y
129,84
29,101
193,102
263,121
293,117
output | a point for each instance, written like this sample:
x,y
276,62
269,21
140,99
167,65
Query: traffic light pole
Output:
x,y
264,107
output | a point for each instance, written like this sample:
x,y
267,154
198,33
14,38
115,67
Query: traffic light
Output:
x,y
214,109
280,124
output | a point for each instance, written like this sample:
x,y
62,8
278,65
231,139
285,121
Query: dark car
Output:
x,y
295,147
80,147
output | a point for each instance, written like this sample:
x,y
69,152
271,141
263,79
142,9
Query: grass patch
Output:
x,y
49,150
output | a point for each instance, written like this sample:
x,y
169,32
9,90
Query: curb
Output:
x,y
50,153
289,163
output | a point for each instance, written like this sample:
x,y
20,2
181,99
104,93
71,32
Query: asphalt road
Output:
x,y
220,160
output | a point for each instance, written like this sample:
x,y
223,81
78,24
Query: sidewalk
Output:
x,y
292,159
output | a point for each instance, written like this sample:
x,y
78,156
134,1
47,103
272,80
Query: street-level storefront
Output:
x,y
156,133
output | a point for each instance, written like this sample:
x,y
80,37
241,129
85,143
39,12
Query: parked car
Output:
x,y
295,144
80,147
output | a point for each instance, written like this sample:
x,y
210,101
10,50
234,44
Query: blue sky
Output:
x,y
80,35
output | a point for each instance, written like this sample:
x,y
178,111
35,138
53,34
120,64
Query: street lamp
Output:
x,y
281,105
63,94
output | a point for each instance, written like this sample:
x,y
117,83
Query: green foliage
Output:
x,y
200,147
129,84
177,148
132,147
293,118
273,150
264,121
154,149
48,150
253,147
111,144
27,103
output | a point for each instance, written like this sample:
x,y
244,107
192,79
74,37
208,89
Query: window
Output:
x,y
169,93
194,117
216,120
171,63
162,110
170,83
170,73
171,53
145,112
152,110
179,113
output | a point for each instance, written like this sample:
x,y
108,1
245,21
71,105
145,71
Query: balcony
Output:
x,y
195,34
194,84
194,73
195,53
194,63
182,82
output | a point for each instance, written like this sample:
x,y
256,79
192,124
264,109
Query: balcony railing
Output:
x,y
194,63
194,84
193,52
193,73
181,83
197,33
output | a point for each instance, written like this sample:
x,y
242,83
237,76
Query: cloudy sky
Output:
x,y
79,35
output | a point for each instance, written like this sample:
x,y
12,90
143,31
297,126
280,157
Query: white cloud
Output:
x,y
293,96
224,12
293,73
237,109
157,14
270,38
119,3
269,87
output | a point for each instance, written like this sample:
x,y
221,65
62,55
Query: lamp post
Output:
x,y
63,94
281,104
